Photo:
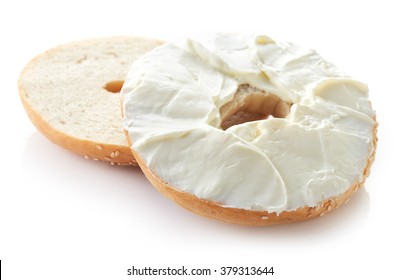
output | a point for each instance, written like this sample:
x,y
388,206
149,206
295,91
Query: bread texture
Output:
x,y
71,94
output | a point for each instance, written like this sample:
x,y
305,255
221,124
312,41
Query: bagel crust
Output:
x,y
246,130
70,94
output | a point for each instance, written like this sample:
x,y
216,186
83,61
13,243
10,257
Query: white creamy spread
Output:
x,y
172,98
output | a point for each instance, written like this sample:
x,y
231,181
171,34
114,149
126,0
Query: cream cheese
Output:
x,y
172,99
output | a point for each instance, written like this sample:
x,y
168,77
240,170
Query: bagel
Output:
x,y
70,93
246,130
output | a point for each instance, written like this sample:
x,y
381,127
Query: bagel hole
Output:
x,y
114,86
252,104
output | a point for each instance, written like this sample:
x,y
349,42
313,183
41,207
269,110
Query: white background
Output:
x,y
63,217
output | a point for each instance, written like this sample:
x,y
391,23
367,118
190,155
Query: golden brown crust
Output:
x,y
213,210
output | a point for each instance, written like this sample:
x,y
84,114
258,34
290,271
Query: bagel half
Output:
x,y
246,130
71,95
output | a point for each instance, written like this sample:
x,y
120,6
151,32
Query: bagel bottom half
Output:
x,y
213,210
71,95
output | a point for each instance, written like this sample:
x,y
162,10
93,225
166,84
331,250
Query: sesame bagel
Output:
x,y
247,130
71,94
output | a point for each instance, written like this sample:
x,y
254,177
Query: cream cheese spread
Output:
x,y
172,99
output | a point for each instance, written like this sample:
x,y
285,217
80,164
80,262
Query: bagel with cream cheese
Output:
x,y
71,94
247,130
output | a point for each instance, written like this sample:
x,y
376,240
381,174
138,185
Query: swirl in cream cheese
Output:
x,y
172,99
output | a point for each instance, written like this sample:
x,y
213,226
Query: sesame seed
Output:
x,y
86,157
347,200
322,214
263,40
115,154
329,208
264,217
99,147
